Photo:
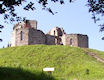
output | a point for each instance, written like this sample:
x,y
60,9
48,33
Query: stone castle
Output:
x,y
26,33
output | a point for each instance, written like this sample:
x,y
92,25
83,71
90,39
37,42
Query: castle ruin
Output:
x,y
26,33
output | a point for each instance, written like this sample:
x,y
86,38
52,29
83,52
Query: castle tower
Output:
x,y
19,34
77,40
26,33
31,23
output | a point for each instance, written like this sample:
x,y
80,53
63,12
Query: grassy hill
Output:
x,y
70,63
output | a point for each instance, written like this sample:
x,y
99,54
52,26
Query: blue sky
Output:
x,y
74,18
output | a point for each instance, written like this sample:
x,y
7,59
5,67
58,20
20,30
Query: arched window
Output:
x,y
21,35
71,41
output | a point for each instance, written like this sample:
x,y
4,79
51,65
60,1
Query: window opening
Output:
x,y
71,41
54,33
21,35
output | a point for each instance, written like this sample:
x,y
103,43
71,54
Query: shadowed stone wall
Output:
x,y
50,40
36,37
31,23
83,41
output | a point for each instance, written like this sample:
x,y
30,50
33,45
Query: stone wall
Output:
x,y
36,37
77,40
83,41
24,40
50,40
31,23
56,31
16,35
13,38
67,37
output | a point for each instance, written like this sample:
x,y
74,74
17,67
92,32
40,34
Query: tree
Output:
x,y
96,7
7,8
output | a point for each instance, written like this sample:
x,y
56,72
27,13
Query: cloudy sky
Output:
x,y
74,18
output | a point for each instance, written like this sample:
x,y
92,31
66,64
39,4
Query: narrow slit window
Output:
x,y
54,33
71,41
21,35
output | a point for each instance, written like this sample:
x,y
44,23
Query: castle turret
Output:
x,y
31,23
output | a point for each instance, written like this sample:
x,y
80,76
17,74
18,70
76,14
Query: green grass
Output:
x,y
70,62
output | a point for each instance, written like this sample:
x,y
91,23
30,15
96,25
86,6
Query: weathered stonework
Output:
x,y
67,37
56,31
77,40
26,33
25,40
50,40
36,37
83,41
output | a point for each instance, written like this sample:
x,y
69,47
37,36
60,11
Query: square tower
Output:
x,y
77,40
31,23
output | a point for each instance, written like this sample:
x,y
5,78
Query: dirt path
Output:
x,y
94,55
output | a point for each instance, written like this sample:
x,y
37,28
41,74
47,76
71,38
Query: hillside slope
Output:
x,y
70,63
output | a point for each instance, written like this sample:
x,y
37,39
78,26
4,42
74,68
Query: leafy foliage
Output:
x,y
96,7
7,8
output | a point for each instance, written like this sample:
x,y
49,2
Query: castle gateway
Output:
x,y
26,33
